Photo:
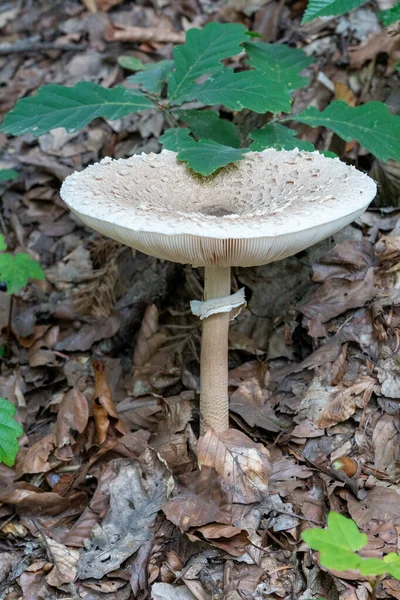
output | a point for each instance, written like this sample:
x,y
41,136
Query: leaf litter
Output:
x,y
114,495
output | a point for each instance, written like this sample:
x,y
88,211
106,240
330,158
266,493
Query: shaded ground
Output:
x,y
106,499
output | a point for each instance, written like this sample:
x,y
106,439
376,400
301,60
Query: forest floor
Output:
x,y
105,500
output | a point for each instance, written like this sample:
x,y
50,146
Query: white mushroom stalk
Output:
x,y
268,206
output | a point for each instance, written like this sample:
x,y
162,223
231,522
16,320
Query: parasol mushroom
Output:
x,y
268,206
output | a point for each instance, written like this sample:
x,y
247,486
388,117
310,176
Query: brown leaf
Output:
x,y
388,248
383,42
227,537
33,501
105,414
327,406
250,401
149,340
37,458
198,499
136,496
343,92
87,335
73,415
336,296
173,438
379,503
349,260
243,465
97,509
65,563
386,443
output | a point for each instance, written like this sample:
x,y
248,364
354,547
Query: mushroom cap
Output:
x,y
269,205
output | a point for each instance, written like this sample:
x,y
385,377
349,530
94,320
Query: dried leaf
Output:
x,y
65,563
104,411
98,506
199,498
149,340
250,401
136,496
243,465
227,537
87,335
33,501
336,296
350,260
166,591
73,415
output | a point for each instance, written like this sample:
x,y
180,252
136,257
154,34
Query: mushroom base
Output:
x,y
214,400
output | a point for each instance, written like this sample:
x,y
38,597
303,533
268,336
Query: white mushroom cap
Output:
x,y
269,205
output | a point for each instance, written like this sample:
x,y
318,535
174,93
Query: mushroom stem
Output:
x,y
214,402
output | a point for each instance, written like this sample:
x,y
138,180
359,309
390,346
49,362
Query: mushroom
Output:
x,y
268,206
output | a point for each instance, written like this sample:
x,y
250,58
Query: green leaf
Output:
x,y
373,566
7,174
10,430
202,55
329,8
281,63
16,270
153,76
392,562
391,15
71,107
346,532
278,137
206,124
337,543
247,89
176,139
370,124
3,245
131,63
206,156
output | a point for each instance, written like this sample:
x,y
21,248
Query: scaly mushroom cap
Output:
x,y
269,205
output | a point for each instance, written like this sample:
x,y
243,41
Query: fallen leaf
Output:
x,y
336,296
73,415
243,465
227,537
136,495
250,401
104,411
199,498
166,591
149,340
84,338
65,563
31,500
350,260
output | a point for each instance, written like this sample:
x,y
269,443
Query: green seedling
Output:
x,y
339,546
17,269
15,272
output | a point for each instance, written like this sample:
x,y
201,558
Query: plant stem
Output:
x,y
214,402
8,335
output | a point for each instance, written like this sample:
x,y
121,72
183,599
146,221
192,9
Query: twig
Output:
x,y
10,312
144,34
26,47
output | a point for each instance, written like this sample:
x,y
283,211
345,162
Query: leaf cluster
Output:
x,y
17,269
339,545
221,66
